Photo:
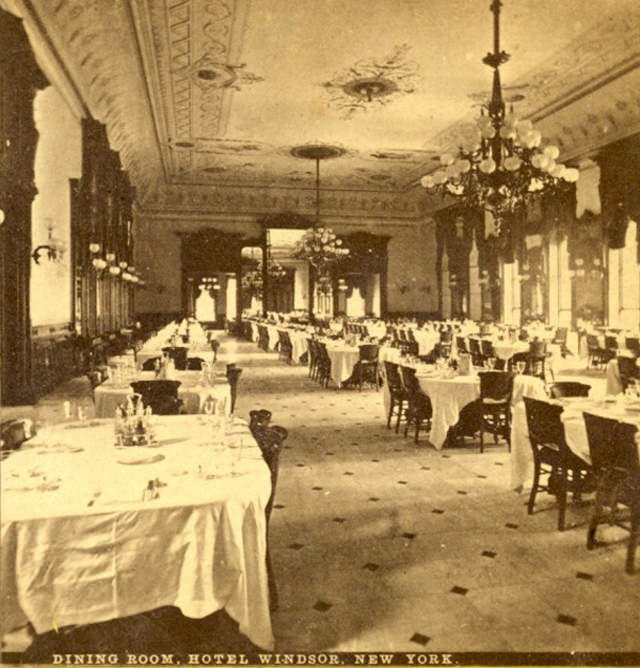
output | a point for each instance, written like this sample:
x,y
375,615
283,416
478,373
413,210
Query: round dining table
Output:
x,y
92,532
343,360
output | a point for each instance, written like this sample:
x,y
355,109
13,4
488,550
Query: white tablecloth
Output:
x,y
91,550
505,350
274,338
343,360
298,340
426,340
192,391
450,395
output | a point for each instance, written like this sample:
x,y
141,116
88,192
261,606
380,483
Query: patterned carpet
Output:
x,y
383,545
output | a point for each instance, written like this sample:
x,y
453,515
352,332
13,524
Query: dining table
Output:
x,y
194,390
450,393
344,358
619,408
93,532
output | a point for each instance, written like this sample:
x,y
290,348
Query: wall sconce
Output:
x,y
342,285
54,249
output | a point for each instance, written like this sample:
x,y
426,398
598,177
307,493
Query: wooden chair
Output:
x,y
195,364
597,355
270,441
397,394
628,370
178,354
161,395
259,419
419,410
496,388
150,364
614,456
537,359
366,368
14,432
569,389
285,348
632,344
551,456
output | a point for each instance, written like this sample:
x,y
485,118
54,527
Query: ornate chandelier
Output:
x,y
502,165
319,245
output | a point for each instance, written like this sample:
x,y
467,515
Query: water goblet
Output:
x,y
520,367
491,363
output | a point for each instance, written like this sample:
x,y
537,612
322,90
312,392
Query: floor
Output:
x,y
383,545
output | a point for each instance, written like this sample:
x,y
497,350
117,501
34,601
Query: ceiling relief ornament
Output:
x,y
373,83
208,73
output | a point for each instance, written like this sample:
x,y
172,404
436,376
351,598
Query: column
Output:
x,y
553,280
300,286
613,273
446,289
475,289
565,301
629,281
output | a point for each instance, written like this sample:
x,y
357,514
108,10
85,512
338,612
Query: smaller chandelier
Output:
x,y
502,165
320,247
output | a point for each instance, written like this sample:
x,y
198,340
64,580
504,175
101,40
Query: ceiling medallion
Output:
x,y
373,83
317,151
208,74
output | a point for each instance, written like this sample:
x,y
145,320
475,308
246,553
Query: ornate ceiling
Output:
x,y
205,99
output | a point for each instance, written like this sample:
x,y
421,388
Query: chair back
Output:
x,y
195,364
150,364
611,443
474,346
592,342
233,376
569,389
537,349
461,344
560,337
628,369
259,419
161,395
13,433
632,343
178,354
446,336
487,348
393,376
369,352
611,342
544,424
409,380
496,386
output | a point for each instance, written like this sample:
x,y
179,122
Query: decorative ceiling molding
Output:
x,y
593,60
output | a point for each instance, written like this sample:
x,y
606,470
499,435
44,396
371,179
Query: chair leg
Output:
x,y
534,487
390,413
633,539
418,425
273,592
562,499
406,424
482,436
593,522
400,408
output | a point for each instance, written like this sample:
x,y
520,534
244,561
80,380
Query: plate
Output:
x,y
139,459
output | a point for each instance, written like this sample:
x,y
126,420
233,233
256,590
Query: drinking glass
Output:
x,y
521,366
491,363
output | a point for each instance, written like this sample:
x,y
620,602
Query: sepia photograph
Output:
x,y
320,332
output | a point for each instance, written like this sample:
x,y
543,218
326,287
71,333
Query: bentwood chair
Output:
x,y
285,348
270,440
551,456
632,344
614,455
496,388
161,395
538,357
597,355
